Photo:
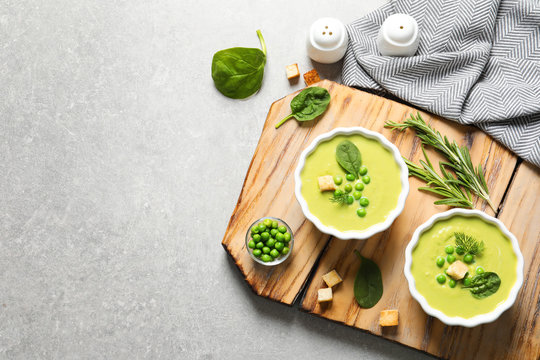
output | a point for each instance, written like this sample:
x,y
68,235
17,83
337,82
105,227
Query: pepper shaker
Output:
x,y
398,36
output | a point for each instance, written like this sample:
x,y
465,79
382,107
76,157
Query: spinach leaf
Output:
x,y
484,285
238,72
368,286
348,157
309,104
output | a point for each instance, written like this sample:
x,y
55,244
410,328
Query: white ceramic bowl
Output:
x,y
376,228
456,320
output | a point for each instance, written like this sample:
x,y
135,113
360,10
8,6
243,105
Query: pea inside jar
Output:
x,y
269,240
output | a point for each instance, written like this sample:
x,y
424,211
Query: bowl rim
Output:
x,y
373,229
457,320
273,262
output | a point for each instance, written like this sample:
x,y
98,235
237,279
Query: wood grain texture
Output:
x,y
269,190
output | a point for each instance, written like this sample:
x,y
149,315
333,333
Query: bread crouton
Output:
x,y
311,77
326,183
457,270
324,295
332,278
389,318
292,71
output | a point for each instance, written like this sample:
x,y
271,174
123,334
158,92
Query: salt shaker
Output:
x,y
398,36
327,40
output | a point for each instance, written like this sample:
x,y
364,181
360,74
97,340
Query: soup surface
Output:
x,y
382,191
497,256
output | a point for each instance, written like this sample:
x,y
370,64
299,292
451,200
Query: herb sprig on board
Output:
x,y
459,159
469,244
446,186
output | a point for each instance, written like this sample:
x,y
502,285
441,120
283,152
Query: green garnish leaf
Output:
x,y
459,159
308,104
349,158
484,285
368,286
238,72
469,243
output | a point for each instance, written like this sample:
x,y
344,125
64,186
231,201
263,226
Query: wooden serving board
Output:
x,y
268,190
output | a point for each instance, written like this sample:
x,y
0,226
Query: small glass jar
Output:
x,y
280,258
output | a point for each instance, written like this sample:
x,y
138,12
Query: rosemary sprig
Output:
x,y
469,243
446,186
459,158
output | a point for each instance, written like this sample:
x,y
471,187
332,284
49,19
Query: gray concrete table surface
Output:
x,y
120,165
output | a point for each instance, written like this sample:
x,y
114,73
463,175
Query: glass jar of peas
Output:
x,y
269,241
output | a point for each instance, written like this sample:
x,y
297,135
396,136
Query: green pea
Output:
x,y
449,249
266,258
467,281
347,188
286,237
265,236
450,259
460,250
361,212
280,237
366,179
257,252
452,283
364,202
282,229
285,250
261,227
251,244
338,180
350,199
350,177
266,250
275,224
274,253
267,222
468,258
270,243
441,279
357,195
254,229
273,232
440,261
480,270
279,246
359,186
338,192
362,170
259,245
257,237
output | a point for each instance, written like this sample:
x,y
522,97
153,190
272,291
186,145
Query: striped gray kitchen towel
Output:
x,y
478,63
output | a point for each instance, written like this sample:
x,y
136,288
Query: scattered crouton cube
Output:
x,y
292,71
457,270
389,318
332,278
311,77
324,295
326,183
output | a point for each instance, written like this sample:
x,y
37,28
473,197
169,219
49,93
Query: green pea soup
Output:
x,y
498,256
383,190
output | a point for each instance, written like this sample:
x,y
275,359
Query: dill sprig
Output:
x,y
446,186
469,243
459,158
340,198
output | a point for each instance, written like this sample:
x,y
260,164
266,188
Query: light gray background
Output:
x,y
120,166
